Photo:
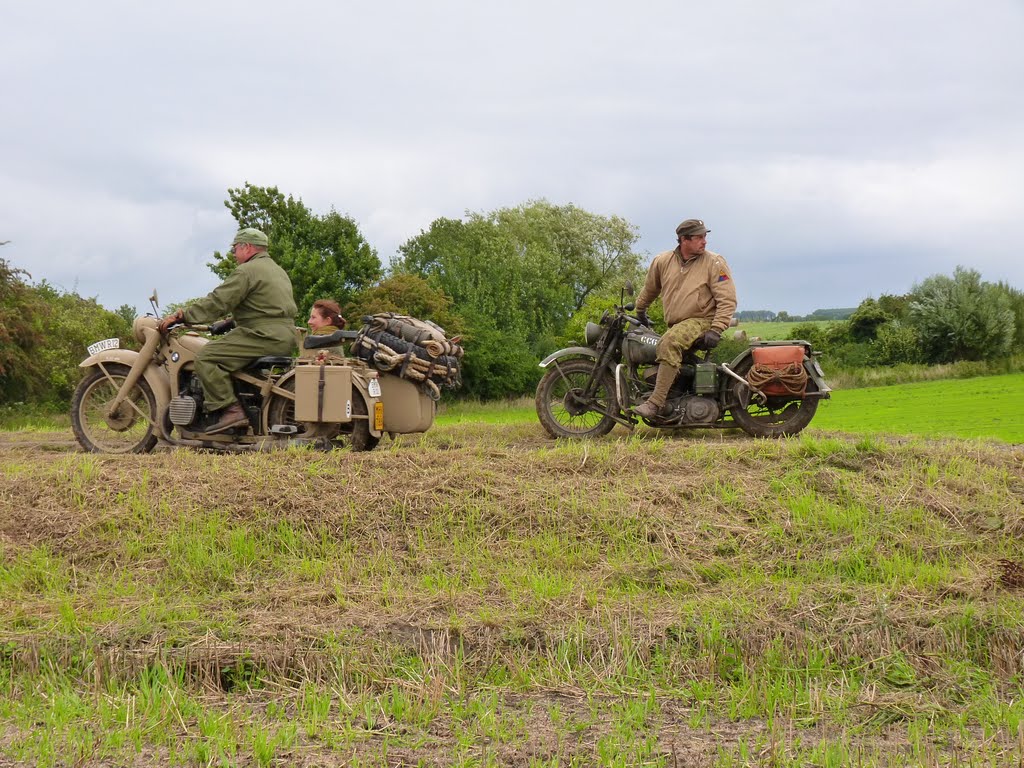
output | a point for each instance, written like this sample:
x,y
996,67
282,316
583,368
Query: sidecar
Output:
x,y
343,396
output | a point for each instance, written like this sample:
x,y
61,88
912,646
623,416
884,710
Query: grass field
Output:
x,y
770,331
482,595
980,407
984,407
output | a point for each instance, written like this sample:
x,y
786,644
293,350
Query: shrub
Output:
x,y
962,318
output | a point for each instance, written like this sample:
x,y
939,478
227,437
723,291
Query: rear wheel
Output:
x,y
130,428
780,416
563,409
356,433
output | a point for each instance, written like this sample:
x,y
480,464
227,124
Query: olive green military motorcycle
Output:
x,y
129,401
771,389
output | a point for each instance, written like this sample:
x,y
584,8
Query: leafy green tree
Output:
x,y
896,306
44,332
962,318
866,319
1016,298
497,364
21,335
516,276
72,322
896,342
405,294
529,267
324,255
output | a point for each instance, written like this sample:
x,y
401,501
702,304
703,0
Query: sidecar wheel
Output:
x,y
358,430
130,429
562,410
781,416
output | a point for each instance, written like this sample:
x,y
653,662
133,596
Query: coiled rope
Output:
x,y
790,379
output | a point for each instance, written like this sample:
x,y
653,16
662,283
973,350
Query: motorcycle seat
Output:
x,y
271,361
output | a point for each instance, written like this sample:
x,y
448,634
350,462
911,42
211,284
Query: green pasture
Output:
x,y
772,331
985,406
981,407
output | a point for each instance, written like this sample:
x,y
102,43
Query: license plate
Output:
x,y
100,346
378,416
373,387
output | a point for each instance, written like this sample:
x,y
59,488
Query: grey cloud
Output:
x,y
838,150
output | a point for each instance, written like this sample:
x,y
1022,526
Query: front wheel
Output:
x,y
564,409
129,428
780,416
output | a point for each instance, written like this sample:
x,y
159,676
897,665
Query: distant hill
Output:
x,y
767,315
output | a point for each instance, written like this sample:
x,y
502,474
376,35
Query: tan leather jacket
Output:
x,y
701,287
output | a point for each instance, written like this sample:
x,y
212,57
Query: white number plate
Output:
x,y
99,346
373,388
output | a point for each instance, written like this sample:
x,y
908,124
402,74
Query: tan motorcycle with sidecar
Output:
x,y
129,401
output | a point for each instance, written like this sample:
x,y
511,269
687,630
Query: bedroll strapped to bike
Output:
x,y
413,349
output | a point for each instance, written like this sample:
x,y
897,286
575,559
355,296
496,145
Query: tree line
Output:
x,y
943,319
515,283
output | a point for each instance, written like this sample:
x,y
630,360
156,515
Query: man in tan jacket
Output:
x,y
699,299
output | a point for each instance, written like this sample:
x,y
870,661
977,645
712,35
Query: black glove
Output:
x,y
222,326
641,315
711,339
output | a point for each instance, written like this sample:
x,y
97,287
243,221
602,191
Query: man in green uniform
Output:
x,y
258,295
699,298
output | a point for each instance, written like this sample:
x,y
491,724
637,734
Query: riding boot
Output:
x,y
231,417
656,402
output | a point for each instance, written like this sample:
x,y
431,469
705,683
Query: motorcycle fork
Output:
x,y
144,358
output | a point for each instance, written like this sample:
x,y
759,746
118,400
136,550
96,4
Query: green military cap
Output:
x,y
250,235
691,227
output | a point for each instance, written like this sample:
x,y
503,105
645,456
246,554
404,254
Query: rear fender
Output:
x,y
569,352
153,374
362,385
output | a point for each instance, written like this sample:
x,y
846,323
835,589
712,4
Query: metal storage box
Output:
x,y
323,393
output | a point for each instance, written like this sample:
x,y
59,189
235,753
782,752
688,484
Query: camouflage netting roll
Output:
x,y
417,350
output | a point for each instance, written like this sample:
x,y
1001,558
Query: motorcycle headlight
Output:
x,y
592,333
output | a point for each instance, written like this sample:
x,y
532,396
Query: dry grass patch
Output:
x,y
482,595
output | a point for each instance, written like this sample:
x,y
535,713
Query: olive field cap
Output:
x,y
251,236
691,227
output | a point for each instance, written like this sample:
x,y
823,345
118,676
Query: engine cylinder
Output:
x,y
182,410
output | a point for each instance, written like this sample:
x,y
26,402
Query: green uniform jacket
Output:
x,y
701,287
258,295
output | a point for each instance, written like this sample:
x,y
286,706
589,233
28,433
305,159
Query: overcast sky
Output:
x,y
837,149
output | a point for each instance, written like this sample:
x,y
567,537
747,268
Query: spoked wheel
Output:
x,y
356,433
564,410
780,416
129,428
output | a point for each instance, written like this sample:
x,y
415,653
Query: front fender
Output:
x,y
154,375
569,352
